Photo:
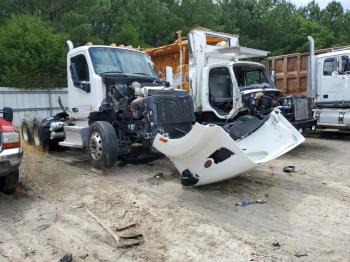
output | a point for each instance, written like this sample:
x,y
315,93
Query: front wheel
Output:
x,y
103,144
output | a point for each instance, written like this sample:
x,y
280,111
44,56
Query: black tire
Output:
x,y
103,144
36,131
8,184
41,137
27,135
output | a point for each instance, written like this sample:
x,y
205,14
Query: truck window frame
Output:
x,y
330,60
82,67
345,64
215,71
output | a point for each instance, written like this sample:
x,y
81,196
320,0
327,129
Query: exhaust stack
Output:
x,y
70,45
311,76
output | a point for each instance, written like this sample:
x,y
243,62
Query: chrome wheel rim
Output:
x,y
96,148
25,134
36,136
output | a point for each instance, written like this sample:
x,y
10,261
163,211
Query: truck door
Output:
x,y
79,95
344,88
330,79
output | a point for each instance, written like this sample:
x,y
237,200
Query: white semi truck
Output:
x,y
329,86
116,101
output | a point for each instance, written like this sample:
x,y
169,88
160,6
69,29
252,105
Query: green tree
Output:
x,y
311,11
32,54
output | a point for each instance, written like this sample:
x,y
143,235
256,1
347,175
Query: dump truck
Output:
x,y
117,102
216,71
324,76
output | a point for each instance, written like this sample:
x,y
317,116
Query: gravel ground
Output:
x,y
306,216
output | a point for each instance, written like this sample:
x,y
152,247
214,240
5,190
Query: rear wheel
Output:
x,y
36,134
8,184
27,135
41,137
103,144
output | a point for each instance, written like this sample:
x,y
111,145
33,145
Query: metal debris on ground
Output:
x,y
159,175
66,258
248,203
289,169
276,244
260,201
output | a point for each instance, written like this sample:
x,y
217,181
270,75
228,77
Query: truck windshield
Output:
x,y
248,76
114,60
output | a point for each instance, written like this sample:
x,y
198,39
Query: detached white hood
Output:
x,y
207,154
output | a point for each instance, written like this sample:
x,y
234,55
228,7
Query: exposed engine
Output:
x,y
140,109
261,103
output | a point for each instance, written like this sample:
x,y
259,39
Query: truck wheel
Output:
x,y
8,184
41,137
27,135
103,144
36,134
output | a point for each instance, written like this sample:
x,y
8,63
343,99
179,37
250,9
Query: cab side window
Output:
x,y
329,66
82,67
345,64
220,83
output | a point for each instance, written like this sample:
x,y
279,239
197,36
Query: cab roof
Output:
x,y
87,47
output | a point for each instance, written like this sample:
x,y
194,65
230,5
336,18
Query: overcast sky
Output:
x,y
321,3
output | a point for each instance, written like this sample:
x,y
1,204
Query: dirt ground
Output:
x,y
306,216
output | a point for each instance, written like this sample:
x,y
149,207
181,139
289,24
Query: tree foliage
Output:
x,y
33,32
31,53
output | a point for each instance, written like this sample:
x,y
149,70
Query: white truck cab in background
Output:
x,y
329,85
213,83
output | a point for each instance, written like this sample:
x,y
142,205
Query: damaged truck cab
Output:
x,y
115,102
216,74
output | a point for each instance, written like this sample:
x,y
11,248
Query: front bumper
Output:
x,y
305,125
10,159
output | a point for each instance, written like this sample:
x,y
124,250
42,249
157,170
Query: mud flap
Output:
x,y
207,154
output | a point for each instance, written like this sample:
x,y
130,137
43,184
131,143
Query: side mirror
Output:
x,y
8,114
